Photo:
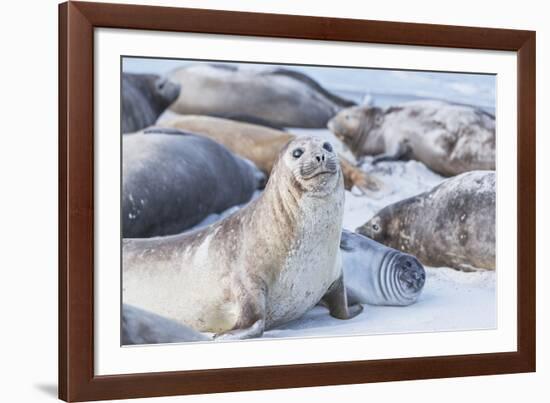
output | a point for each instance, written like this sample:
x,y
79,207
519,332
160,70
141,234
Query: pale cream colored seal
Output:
x,y
450,139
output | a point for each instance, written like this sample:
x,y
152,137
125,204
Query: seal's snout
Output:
x,y
167,89
313,158
412,273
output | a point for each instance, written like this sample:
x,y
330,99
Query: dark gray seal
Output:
x,y
172,182
450,139
265,265
144,98
378,275
275,96
452,225
142,327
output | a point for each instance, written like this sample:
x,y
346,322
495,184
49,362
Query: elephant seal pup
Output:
x,y
452,225
144,98
378,275
260,144
265,265
276,96
172,182
450,139
142,327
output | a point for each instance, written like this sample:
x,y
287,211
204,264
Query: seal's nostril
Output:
x,y
323,157
318,158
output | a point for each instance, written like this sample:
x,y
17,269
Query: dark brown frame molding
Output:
x,y
77,21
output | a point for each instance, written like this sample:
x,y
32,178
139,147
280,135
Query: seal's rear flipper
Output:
x,y
356,177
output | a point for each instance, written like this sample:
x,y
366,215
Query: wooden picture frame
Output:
x,y
77,22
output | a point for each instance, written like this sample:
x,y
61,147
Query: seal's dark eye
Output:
x,y
376,227
328,147
297,153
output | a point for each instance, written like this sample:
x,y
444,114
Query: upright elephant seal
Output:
x,y
260,144
452,225
378,275
276,96
265,265
144,98
172,182
450,139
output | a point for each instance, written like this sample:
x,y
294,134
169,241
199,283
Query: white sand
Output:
x,y
451,300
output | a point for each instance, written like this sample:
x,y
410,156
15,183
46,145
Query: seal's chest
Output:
x,y
302,282
311,266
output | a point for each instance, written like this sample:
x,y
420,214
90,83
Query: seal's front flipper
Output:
x,y
337,301
252,311
256,330
402,152
354,299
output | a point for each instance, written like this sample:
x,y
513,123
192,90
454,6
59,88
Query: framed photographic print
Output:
x,y
256,201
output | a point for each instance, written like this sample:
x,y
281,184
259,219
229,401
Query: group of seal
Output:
x,y
285,251
267,264
374,274
450,139
259,144
453,224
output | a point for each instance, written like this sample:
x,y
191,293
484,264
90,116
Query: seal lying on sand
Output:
x,y
172,182
142,327
450,139
452,225
144,98
279,97
378,275
267,264
259,144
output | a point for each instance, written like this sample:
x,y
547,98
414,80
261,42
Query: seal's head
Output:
x,y
166,91
312,165
351,124
160,91
378,274
379,228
